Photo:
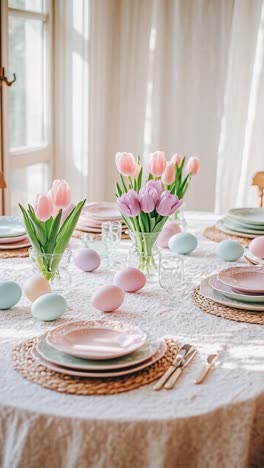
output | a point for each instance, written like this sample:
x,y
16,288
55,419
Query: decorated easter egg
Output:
x,y
183,243
229,250
36,286
169,229
108,298
130,279
10,294
86,259
256,247
49,307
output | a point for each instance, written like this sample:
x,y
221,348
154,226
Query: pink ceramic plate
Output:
x,y
84,228
15,245
12,240
101,210
93,223
97,339
77,373
247,279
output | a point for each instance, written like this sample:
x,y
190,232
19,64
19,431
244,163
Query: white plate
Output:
x,y
234,226
77,373
11,226
97,339
220,225
227,291
208,292
66,360
248,215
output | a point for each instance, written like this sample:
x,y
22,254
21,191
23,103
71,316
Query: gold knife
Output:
x,y
209,365
181,354
169,385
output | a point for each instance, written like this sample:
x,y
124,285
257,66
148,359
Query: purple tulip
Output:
x,y
156,184
149,197
129,203
168,204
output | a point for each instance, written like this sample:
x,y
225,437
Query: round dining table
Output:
x,y
217,424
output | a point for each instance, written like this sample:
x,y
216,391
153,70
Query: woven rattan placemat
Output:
x,y
239,315
15,253
30,369
216,235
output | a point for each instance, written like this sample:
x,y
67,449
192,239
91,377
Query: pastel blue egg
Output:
x,y
10,294
183,243
229,250
49,307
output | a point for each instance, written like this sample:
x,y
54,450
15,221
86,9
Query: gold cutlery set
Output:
x,y
184,356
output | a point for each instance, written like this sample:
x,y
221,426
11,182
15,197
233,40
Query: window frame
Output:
x,y
23,157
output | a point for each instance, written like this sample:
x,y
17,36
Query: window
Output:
x,y
26,45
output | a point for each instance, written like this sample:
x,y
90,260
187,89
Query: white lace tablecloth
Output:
x,y
217,424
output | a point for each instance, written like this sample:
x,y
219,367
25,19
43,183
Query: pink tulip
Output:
x,y
137,170
156,184
168,175
157,163
168,204
176,159
43,206
193,166
129,203
126,164
60,193
149,197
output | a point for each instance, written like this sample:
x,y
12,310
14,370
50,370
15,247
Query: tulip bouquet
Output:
x,y
50,225
145,207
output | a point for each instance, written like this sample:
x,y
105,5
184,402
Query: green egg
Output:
x,y
183,243
229,250
10,294
49,307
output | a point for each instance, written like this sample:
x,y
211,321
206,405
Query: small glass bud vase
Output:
x,y
144,254
54,268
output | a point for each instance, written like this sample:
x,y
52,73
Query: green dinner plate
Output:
x,y
253,216
67,360
235,226
11,226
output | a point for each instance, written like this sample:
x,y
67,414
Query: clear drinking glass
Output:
x,y
171,277
111,237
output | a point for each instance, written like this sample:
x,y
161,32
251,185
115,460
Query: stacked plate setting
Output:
x,y
236,287
96,213
243,222
97,348
12,233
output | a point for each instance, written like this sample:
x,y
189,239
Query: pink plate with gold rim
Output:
x,y
247,279
97,339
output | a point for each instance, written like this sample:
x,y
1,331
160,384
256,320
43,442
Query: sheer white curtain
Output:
x,y
177,75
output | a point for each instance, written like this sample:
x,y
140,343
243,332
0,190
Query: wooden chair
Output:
x,y
258,180
2,181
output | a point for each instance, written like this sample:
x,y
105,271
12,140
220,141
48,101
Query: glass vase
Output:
x,y
179,217
144,254
53,267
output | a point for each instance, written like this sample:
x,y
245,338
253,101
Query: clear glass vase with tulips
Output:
x,y
146,206
49,226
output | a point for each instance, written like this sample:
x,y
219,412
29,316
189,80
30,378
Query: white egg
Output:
x,y
35,287
108,298
49,307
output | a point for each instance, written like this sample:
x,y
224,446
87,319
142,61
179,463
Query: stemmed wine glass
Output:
x,y
171,277
111,237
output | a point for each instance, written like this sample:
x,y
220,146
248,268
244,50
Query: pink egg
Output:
x,y
86,259
169,229
130,279
108,298
35,287
256,247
